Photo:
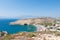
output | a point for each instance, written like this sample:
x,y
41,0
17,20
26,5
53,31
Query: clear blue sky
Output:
x,y
25,8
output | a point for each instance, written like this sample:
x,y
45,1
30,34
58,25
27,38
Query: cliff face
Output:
x,y
33,21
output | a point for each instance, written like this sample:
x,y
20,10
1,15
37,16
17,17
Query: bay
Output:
x,y
12,29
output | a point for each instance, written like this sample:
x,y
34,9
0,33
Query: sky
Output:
x,y
29,8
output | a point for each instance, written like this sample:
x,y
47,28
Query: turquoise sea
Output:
x,y
12,29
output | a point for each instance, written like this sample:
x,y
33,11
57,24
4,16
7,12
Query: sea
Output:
x,y
13,29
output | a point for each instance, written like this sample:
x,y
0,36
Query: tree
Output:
x,y
46,24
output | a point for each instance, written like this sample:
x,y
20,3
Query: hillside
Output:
x,y
34,21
